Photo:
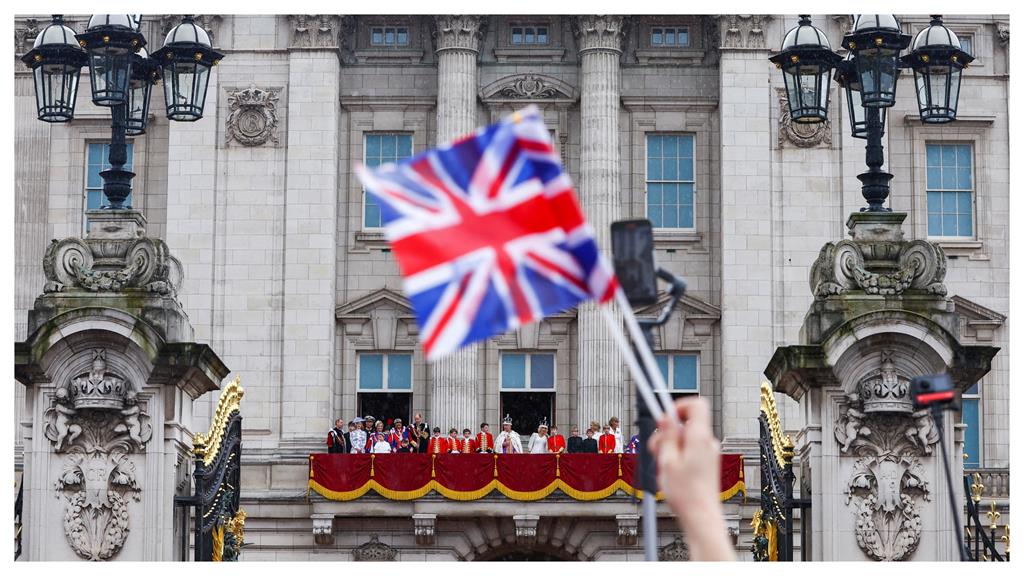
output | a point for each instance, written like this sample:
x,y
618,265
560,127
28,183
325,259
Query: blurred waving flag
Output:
x,y
488,234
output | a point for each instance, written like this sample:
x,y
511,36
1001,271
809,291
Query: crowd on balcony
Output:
x,y
368,435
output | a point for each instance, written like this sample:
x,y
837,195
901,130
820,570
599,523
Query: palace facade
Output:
x,y
680,119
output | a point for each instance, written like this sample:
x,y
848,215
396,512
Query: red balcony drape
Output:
x,y
523,477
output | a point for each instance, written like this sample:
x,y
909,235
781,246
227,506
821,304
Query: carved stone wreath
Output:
x,y
841,266
674,552
374,551
252,116
799,134
530,87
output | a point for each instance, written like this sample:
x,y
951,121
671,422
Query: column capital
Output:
x,y
459,32
599,32
314,30
744,31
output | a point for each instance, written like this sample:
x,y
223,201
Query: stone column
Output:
x,y
600,391
453,399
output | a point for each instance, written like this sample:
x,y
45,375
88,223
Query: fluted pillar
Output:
x,y
600,389
453,399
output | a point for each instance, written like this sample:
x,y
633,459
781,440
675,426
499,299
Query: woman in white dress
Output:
x,y
539,440
379,440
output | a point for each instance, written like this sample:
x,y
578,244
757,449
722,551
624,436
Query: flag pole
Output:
x,y
647,356
642,385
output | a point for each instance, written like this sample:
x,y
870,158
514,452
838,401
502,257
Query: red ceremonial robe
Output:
x,y
468,446
454,444
606,444
484,442
556,444
437,445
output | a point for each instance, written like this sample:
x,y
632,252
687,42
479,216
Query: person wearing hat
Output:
x,y
508,441
397,434
556,442
484,440
336,438
606,443
357,437
539,440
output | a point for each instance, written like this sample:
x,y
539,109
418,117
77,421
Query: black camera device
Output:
x,y
934,390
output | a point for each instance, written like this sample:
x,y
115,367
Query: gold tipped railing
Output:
x,y
782,444
207,446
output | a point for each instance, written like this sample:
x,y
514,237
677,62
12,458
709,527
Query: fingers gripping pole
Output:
x,y
641,381
645,354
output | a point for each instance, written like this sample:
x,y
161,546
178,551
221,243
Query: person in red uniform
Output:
x,y
556,442
454,442
606,443
438,444
484,440
468,443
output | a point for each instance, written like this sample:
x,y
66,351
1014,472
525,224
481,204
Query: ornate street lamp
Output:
x,y
186,57
56,61
110,40
875,44
806,61
937,60
869,75
145,73
846,76
121,78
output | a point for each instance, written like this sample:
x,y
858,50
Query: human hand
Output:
x,y
689,458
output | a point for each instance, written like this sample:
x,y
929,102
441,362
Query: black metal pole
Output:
x,y
117,182
788,481
937,417
874,182
646,471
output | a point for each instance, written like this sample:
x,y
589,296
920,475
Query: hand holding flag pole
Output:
x,y
489,236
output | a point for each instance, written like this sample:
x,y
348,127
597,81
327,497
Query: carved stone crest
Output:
x,y
1003,33
674,552
374,551
96,422
529,87
799,134
110,265
876,424
314,30
252,117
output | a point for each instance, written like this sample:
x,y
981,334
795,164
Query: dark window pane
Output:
x,y
542,371
526,409
670,37
656,37
517,35
542,35
386,406
377,36
683,37
403,36
971,415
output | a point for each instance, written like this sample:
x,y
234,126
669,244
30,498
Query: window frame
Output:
x,y
129,165
527,384
669,380
362,189
647,181
973,191
966,395
512,26
384,372
675,28
383,29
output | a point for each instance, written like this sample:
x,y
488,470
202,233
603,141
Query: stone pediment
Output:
x,y
692,319
976,321
691,307
382,319
528,88
363,306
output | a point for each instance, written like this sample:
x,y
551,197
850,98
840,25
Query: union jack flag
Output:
x,y
488,234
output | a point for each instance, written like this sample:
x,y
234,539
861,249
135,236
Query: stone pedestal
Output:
x,y
871,463
110,371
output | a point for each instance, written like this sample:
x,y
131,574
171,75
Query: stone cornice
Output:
x,y
459,32
599,33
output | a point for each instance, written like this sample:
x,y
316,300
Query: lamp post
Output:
x,y
869,75
121,78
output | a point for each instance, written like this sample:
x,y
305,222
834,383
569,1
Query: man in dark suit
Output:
x,y
336,438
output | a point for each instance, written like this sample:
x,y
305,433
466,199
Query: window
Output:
x,y
970,414
967,44
97,156
681,373
950,190
674,37
528,390
381,149
529,35
670,180
389,36
385,386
